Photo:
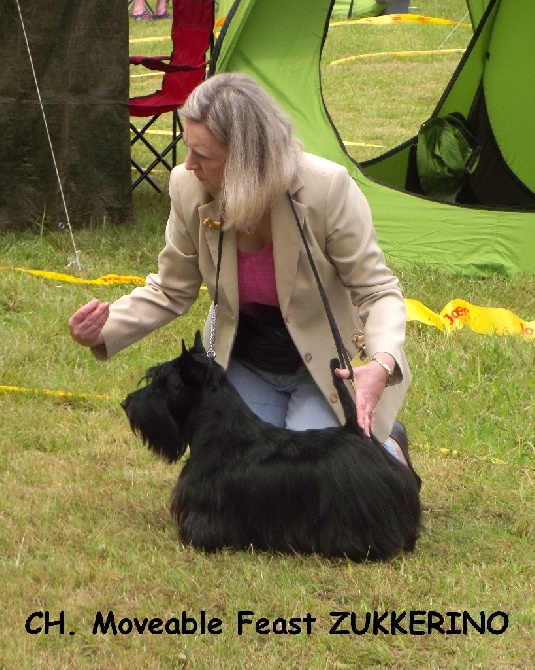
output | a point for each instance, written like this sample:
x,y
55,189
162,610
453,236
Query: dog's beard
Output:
x,y
151,420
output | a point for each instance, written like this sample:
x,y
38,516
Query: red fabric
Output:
x,y
191,31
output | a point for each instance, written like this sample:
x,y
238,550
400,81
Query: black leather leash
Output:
x,y
343,355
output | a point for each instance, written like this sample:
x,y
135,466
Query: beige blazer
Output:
x,y
364,296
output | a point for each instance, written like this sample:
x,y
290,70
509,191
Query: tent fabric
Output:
x,y
509,85
413,229
342,9
476,10
358,9
80,55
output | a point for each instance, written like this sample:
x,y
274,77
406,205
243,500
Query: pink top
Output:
x,y
256,278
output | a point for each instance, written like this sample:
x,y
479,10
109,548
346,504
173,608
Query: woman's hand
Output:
x,y
370,382
86,323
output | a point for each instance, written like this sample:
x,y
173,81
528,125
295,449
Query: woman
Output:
x,y
245,170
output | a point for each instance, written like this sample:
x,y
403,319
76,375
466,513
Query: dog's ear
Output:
x,y
195,363
194,370
198,346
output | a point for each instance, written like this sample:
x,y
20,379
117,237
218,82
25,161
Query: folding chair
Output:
x,y
191,34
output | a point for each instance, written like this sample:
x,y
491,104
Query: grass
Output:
x,y
84,525
379,102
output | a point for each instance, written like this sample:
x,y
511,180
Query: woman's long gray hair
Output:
x,y
262,149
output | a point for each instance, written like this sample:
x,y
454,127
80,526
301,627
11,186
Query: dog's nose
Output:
x,y
124,403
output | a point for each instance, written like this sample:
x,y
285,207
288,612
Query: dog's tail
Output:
x,y
348,404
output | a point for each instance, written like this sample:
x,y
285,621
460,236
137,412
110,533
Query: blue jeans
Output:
x,y
291,400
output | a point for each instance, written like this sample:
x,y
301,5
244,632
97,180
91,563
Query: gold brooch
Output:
x,y
210,223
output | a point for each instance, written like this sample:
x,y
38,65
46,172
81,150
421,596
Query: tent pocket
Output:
x,y
446,155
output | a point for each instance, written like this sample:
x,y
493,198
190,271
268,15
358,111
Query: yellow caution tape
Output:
x,y
396,54
145,75
106,280
387,19
156,131
154,38
58,394
347,143
456,314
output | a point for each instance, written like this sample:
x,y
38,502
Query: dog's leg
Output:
x,y
199,522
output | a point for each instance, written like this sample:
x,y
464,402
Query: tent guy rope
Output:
x,y
75,262
452,31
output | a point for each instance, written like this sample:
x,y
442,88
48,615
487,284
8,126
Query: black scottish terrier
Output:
x,y
247,483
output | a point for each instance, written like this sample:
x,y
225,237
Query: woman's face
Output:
x,y
206,155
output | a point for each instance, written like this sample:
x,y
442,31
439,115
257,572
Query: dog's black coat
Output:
x,y
247,483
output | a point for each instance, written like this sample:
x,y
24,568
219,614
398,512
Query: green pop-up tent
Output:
x,y
342,9
493,88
